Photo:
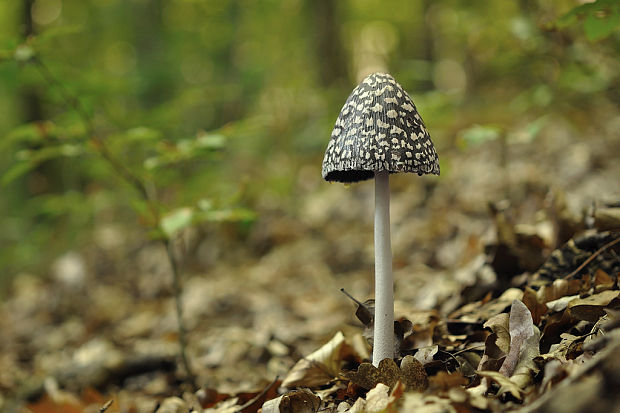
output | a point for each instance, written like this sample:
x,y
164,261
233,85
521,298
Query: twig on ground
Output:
x,y
106,406
593,256
258,396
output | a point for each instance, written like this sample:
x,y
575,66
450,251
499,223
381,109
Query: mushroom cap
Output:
x,y
378,129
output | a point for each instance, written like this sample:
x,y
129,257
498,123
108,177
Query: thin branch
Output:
x,y
593,256
257,397
176,285
74,103
472,348
125,173
106,406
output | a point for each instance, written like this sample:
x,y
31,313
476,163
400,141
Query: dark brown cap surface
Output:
x,y
378,129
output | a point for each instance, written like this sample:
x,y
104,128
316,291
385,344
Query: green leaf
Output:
x,y
210,141
16,171
227,215
54,32
598,27
23,53
142,133
602,18
176,220
478,134
29,133
185,150
31,158
205,211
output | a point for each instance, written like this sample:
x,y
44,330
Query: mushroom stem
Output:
x,y
383,346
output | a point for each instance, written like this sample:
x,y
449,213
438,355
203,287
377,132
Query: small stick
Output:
x,y
591,257
257,397
351,297
106,406
481,346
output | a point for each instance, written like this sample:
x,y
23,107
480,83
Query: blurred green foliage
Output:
x,y
218,105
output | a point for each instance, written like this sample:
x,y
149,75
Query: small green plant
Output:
x,y
140,156
600,19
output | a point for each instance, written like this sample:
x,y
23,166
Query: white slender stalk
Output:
x,y
384,283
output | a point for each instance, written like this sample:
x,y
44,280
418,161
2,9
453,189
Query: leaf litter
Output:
x,y
490,316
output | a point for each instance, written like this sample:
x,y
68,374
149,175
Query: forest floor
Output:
x,y
506,267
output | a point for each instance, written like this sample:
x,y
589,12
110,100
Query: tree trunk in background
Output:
x,y
31,102
40,179
428,45
329,51
233,109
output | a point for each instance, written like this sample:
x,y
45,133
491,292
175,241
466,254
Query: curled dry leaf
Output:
x,y
558,289
554,372
476,312
296,401
443,381
560,304
497,344
172,405
499,325
521,328
320,367
607,218
537,308
426,355
593,307
378,399
506,385
419,402
493,356
566,349
602,281
468,362
417,327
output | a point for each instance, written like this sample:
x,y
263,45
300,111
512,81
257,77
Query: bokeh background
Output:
x,y
270,77
221,110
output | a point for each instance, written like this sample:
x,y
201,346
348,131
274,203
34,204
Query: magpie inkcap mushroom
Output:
x,y
378,129
379,132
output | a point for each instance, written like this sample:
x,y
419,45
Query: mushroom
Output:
x,y
379,132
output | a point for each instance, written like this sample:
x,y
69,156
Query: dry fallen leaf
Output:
x,y
602,281
426,355
411,373
474,312
368,376
505,383
560,304
173,405
319,367
527,368
499,325
443,381
296,401
558,289
414,375
378,399
424,403
593,307
521,329
537,309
